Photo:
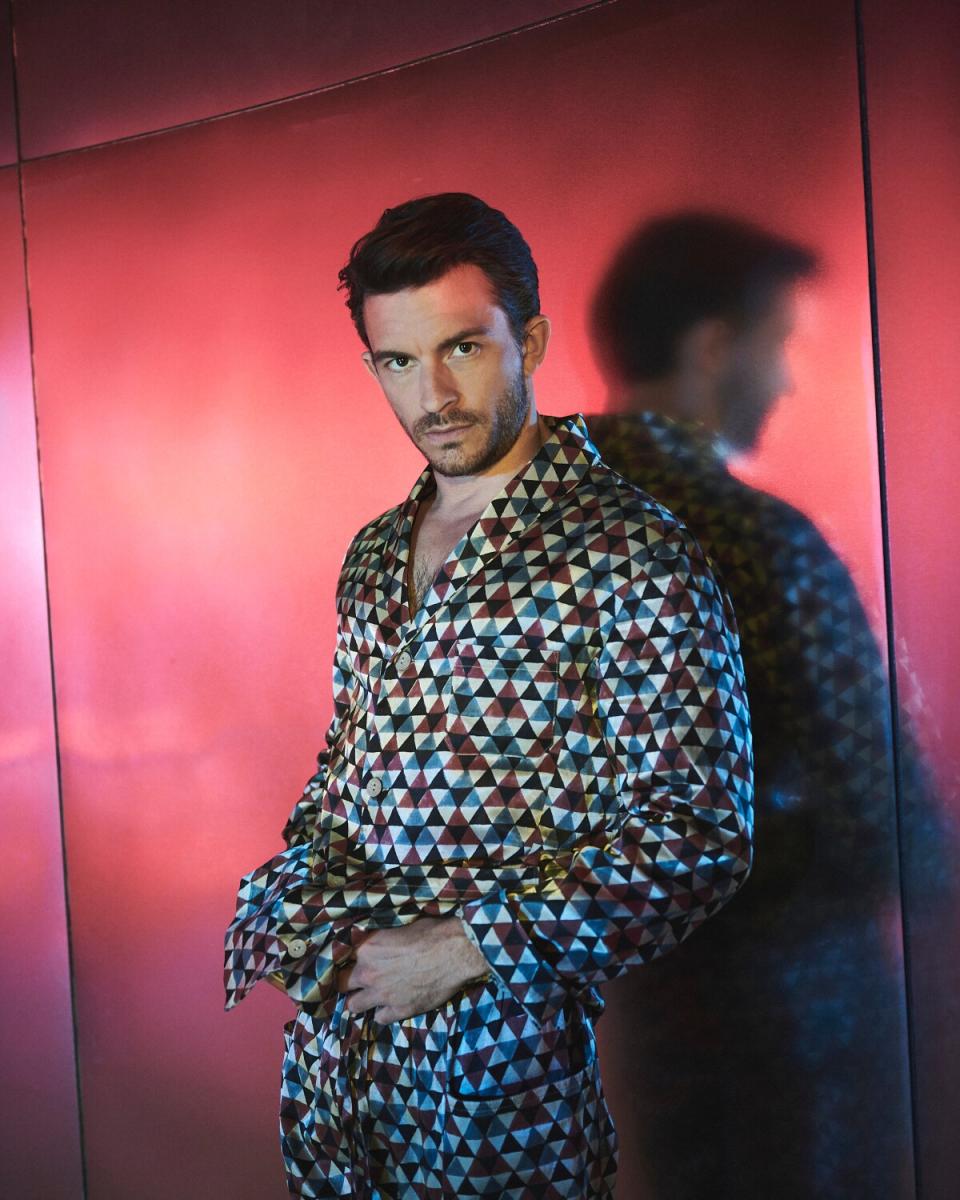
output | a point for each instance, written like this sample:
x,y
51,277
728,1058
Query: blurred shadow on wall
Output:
x,y
768,1053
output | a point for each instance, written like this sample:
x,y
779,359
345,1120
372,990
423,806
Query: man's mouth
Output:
x,y
439,432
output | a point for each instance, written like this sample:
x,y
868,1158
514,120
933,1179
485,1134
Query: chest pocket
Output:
x,y
501,702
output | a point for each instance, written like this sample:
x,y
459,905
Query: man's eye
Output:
x,y
399,362
464,349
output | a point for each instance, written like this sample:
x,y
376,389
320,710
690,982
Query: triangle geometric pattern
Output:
x,y
554,748
470,1100
818,688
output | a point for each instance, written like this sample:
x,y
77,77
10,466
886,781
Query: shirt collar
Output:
x,y
566,456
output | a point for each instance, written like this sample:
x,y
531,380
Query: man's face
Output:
x,y
447,361
757,373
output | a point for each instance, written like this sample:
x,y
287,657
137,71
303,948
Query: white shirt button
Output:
x,y
403,660
296,947
374,786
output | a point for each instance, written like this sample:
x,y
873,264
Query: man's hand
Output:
x,y
410,970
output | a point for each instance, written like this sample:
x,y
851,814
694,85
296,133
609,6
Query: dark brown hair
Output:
x,y
416,242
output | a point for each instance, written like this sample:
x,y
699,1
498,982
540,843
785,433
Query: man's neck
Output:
x,y
461,495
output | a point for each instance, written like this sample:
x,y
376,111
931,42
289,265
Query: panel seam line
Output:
x,y
896,747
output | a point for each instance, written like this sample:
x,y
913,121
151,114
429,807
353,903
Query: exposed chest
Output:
x,y
434,538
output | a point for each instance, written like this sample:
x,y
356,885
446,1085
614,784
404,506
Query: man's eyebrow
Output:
x,y
464,336
380,356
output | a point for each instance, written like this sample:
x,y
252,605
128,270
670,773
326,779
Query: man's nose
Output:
x,y
438,387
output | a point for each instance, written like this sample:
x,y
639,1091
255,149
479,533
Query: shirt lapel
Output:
x,y
392,609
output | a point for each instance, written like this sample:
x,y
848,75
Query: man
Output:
x,y
795,1000
537,773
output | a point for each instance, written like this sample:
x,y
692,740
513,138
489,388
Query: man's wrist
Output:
x,y
478,958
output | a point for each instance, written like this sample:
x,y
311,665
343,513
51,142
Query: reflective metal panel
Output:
x,y
211,443
94,72
913,98
38,1100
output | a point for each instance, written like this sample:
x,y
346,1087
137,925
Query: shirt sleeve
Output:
x,y
266,934
671,704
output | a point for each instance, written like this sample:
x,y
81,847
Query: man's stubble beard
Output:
x,y
509,418
745,407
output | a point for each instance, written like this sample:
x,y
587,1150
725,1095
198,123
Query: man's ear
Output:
x,y
535,339
706,346
371,366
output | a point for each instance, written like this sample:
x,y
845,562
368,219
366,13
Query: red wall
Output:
x,y
209,440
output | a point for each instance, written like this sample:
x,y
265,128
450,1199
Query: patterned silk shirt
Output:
x,y
554,747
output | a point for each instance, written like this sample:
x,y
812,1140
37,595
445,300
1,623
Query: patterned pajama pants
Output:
x,y
473,1099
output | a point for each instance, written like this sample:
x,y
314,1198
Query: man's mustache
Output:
x,y
432,421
